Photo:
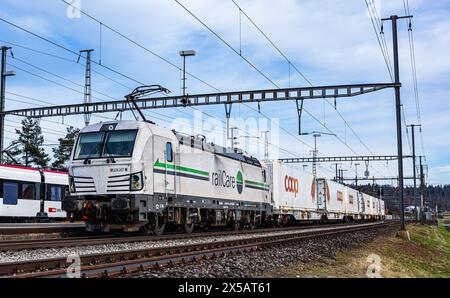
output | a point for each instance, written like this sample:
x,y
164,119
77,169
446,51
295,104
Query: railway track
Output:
x,y
16,245
118,263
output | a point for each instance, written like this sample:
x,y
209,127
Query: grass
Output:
x,y
427,255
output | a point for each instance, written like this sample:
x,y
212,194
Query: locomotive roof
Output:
x,y
193,141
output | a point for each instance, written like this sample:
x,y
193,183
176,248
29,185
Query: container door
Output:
x,y
321,194
361,205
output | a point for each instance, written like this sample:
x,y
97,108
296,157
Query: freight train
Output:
x,y
135,175
30,194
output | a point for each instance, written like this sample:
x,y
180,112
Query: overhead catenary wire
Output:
x,y
414,73
162,58
49,103
77,53
257,69
291,64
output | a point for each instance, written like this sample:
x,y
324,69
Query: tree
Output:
x,y
28,150
62,153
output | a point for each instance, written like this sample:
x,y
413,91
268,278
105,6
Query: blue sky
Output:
x,y
331,42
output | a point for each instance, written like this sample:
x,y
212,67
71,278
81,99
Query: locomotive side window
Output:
x,y
10,193
169,152
54,193
28,192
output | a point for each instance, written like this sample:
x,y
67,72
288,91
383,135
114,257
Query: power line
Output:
x,y
137,44
164,59
414,72
374,19
258,70
301,74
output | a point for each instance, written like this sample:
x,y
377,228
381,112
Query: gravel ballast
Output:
x,y
255,264
40,254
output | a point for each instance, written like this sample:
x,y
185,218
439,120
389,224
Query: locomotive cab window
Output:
x,y
119,143
169,152
89,145
10,193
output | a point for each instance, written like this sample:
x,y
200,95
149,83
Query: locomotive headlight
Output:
x,y
136,181
71,184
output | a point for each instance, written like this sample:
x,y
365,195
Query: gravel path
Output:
x,y
39,254
255,264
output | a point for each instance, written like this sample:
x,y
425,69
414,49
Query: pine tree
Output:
x,y
62,153
29,151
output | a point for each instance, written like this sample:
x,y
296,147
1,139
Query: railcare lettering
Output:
x,y
222,179
291,185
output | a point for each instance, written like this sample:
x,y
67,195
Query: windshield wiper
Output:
x,y
110,157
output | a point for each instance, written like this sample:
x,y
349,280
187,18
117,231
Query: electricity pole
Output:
x,y
4,74
398,105
87,84
413,129
337,173
315,153
422,191
266,144
356,169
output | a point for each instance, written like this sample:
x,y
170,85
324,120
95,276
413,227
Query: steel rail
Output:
x,y
16,245
117,263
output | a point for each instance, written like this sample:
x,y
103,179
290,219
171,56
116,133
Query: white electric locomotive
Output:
x,y
29,194
135,175
129,175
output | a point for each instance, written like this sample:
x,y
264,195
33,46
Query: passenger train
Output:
x,y
135,175
30,194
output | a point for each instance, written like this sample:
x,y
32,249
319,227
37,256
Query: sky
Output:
x,y
331,42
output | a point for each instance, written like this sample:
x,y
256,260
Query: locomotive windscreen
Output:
x,y
116,144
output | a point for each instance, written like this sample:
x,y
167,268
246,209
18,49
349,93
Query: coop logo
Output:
x,y
222,179
291,184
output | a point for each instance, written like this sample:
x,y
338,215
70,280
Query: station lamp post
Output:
x,y
184,54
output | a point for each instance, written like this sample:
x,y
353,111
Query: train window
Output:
x,y
119,143
264,175
54,193
169,152
28,191
89,145
10,193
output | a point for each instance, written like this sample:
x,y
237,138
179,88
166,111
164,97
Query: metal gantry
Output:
x,y
376,179
224,98
341,159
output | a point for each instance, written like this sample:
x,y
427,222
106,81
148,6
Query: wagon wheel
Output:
x,y
189,228
159,226
236,225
